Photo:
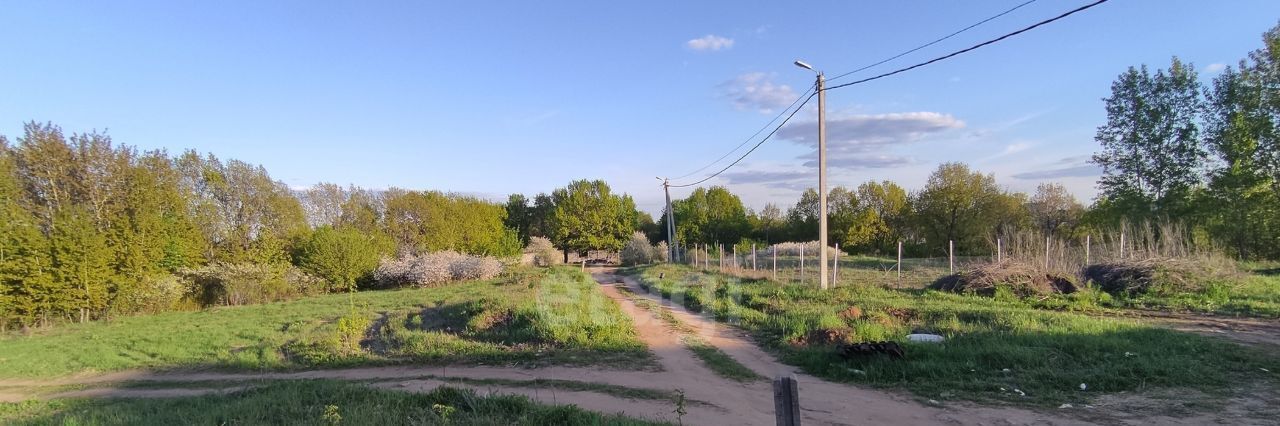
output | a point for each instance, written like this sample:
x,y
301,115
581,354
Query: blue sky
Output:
x,y
495,98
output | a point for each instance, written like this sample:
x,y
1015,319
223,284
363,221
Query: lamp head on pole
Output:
x,y
801,64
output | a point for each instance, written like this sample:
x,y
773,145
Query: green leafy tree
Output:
x,y
802,219
710,216
881,218
342,256
958,205
422,222
588,216
1151,153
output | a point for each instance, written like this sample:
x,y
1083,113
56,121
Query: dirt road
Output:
x,y
714,400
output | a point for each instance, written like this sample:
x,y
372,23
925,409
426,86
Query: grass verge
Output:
x,y
997,349
526,317
310,402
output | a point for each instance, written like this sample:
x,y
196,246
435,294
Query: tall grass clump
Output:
x,y
543,251
435,268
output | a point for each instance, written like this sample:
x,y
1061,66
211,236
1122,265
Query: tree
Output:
x,y
880,219
802,219
323,203
422,222
1244,135
587,216
1054,210
519,216
957,205
342,255
709,216
1151,154
770,223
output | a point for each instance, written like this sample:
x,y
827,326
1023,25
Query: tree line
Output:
x,y
91,229
1173,150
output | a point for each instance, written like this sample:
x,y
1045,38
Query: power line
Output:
x,y
762,141
753,136
1006,12
971,48
887,74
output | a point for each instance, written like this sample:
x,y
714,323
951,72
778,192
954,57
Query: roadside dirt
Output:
x,y
1249,331
719,400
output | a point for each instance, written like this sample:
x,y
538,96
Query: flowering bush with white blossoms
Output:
x,y
793,249
544,253
435,268
637,251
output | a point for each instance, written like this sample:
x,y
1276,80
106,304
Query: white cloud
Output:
x,y
1215,68
709,42
865,141
1069,167
757,91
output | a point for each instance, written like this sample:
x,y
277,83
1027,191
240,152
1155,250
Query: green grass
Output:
x,y
1251,296
310,402
995,347
716,360
527,316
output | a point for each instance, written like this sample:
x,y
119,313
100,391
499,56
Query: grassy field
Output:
x,y
527,316
308,402
1002,349
1255,293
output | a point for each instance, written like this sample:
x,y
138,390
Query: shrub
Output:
x,y
435,268
342,255
152,294
793,249
242,284
544,253
1006,278
661,251
637,251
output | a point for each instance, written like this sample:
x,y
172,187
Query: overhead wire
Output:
x,y
943,38
970,48
883,75
762,141
749,139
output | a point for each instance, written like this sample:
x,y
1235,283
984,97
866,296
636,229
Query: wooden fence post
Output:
x,y
775,262
753,256
899,262
1121,244
786,401
835,267
802,262
999,250
951,254
1046,253
1087,243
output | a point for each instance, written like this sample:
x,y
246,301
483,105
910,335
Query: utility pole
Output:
x,y
822,174
671,222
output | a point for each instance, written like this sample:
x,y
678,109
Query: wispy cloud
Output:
x,y
757,91
1215,68
863,141
709,42
1074,166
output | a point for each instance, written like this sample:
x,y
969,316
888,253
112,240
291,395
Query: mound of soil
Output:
x,y
1025,280
1161,276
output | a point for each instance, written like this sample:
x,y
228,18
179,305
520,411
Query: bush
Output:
x,y
1006,279
637,251
435,268
661,252
544,253
342,255
243,284
152,294
793,249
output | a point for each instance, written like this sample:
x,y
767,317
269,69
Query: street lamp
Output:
x,y
822,173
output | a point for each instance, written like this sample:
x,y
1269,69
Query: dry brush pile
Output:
x,y
1024,280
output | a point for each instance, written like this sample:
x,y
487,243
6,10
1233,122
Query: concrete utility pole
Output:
x,y
671,223
822,175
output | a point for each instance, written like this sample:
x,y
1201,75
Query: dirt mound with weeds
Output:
x,y
1023,279
1159,276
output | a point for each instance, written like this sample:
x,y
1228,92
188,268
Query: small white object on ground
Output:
x,y
1019,392
1083,386
934,402
1065,406
930,338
